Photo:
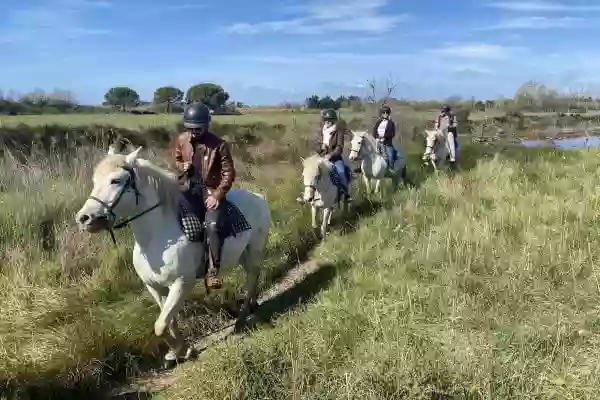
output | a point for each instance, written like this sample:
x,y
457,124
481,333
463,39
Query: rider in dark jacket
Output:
x,y
385,131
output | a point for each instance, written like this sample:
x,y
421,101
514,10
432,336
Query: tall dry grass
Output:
x,y
482,285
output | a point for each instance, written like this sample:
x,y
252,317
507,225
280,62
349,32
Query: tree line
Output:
x,y
531,96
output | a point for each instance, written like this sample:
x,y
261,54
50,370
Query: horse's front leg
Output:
x,y
378,186
326,220
313,216
367,182
166,324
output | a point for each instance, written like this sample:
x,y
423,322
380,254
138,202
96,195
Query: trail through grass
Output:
x,y
481,286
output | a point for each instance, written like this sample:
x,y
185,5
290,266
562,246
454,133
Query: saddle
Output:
x,y
192,219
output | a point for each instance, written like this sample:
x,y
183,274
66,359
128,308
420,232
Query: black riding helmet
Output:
x,y
446,108
330,115
196,115
385,109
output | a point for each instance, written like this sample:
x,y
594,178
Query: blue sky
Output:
x,y
271,51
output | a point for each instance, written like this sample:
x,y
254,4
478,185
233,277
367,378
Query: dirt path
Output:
x,y
144,386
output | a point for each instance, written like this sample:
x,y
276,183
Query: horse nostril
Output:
x,y
84,218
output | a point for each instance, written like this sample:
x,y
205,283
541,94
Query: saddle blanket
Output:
x,y
232,221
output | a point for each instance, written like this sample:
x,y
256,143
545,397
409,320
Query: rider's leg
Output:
x,y
451,146
341,170
392,154
213,217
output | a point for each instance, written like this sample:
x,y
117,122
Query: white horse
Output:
x,y
374,165
436,148
148,197
320,191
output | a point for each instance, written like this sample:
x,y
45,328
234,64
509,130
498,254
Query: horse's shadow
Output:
x,y
358,209
296,294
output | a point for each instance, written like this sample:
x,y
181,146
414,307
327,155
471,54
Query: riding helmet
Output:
x,y
196,115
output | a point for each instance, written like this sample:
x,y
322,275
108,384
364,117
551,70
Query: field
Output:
x,y
137,121
478,285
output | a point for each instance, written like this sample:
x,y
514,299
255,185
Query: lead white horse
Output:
x,y
373,163
320,191
436,148
148,197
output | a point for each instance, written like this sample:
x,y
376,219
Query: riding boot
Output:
x,y
212,273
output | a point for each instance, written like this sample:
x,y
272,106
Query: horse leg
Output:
x,y
405,178
313,215
367,182
172,303
174,340
378,186
326,220
251,263
252,268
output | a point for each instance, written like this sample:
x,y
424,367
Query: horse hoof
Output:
x,y
169,364
240,325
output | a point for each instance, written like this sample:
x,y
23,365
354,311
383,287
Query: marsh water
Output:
x,y
565,143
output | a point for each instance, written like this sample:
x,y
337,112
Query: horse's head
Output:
x,y
115,192
432,137
356,144
314,169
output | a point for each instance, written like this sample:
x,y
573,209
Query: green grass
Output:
x,y
74,312
158,120
161,120
480,286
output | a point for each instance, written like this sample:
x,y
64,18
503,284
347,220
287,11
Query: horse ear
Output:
x,y
112,150
132,157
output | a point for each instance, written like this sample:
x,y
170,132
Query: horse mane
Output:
x,y
312,164
164,182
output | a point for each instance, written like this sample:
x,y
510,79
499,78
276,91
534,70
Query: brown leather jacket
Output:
x,y
335,147
212,157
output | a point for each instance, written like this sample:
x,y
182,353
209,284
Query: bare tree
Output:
x,y
389,87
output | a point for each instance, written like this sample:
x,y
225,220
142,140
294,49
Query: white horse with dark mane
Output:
x,y
374,162
437,149
320,190
147,197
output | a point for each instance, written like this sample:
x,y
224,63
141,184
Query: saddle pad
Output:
x,y
232,221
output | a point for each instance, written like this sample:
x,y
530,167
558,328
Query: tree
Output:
x,y
213,95
168,95
122,97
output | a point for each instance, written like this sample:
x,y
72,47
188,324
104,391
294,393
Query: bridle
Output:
x,y
130,185
378,147
360,143
314,184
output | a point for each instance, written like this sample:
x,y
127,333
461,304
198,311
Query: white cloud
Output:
x,y
475,51
315,59
364,16
537,22
540,6
62,19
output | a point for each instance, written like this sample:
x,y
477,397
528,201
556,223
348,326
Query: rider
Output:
x,y
384,130
446,121
329,144
206,160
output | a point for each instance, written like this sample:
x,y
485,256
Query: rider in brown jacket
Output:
x,y
206,161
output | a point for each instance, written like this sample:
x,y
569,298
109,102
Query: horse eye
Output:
x,y
115,182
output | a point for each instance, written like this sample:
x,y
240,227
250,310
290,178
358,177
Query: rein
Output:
x,y
129,185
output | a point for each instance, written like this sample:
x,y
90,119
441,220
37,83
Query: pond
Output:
x,y
566,143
